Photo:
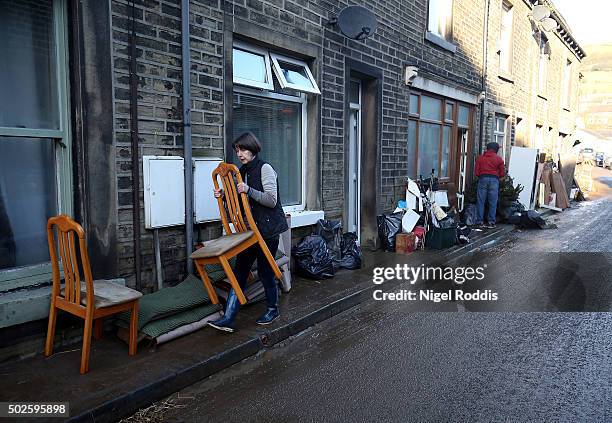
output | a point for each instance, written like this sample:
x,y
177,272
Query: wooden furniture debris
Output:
x,y
90,300
222,249
559,188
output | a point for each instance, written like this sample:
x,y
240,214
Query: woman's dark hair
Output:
x,y
247,141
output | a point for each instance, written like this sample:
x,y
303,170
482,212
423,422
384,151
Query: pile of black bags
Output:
x,y
317,256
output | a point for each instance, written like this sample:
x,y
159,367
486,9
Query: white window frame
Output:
x,y
566,91
269,85
29,275
304,104
543,65
448,25
506,38
501,134
281,78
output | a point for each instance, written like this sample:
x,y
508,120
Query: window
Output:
x,y
558,148
294,74
35,147
500,134
567,85
278,122
251,67
277,116
430,134
440,21
539,137
505,39
543,64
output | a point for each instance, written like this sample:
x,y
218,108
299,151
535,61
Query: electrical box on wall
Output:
x,y
206,207
164,191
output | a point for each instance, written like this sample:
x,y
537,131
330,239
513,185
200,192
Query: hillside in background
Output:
x,y
595,108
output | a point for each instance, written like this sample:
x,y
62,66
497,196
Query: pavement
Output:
x,y
117,385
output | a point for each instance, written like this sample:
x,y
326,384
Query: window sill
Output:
x,y
305,217
506,77
440,42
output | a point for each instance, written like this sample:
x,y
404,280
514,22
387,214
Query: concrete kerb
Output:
x,y
132,401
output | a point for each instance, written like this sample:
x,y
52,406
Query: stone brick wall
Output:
x,y
399,40
158,27
517,95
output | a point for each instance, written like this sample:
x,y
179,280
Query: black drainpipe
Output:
x,y
135,153
484,75
187,135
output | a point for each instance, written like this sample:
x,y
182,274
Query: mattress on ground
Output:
x,y
169,301
164,325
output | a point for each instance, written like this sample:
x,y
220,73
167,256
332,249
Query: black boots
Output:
x,y
272,312
226,323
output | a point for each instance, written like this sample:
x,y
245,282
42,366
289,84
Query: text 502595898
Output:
x,y
34,409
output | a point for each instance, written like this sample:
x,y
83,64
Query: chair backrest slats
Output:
x,y
67,265
230,175
75,266
67,245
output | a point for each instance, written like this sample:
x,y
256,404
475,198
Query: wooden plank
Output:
x,y
559,189
567,167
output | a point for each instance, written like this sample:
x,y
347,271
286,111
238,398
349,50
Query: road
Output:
x,y
419,361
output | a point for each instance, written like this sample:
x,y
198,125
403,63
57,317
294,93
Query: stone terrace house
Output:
x,y
532,79
352,121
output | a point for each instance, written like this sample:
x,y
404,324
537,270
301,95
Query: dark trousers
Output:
x,y
244,263
488,191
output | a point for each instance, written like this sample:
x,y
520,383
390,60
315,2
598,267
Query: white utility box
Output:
x,y
206,206
164,191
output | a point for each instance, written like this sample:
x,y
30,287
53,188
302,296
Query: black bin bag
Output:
x,y
351,253
312,258
331,232
389,225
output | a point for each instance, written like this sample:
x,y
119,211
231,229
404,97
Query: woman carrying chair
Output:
x,y
261,186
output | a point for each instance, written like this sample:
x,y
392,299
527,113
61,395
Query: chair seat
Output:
x,y
108,294
218,246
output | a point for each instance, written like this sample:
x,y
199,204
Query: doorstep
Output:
x,y
118,385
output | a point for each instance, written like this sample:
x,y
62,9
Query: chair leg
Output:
x,y
134,329
86,343
232,279
99,328
271,260
212,294
51,329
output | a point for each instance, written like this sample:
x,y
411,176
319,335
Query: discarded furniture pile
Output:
x,y
424,219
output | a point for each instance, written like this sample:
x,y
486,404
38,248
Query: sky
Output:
x,y
589,20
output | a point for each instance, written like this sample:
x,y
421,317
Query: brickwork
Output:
x,y
399,40
517,94
158,27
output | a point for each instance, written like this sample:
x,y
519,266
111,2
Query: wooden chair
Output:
x,y
221,250
91,300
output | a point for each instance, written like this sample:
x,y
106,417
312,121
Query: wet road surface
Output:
x,y
365,365
444,361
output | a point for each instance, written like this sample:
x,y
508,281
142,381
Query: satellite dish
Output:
x,y
540,12
548,24
356,22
